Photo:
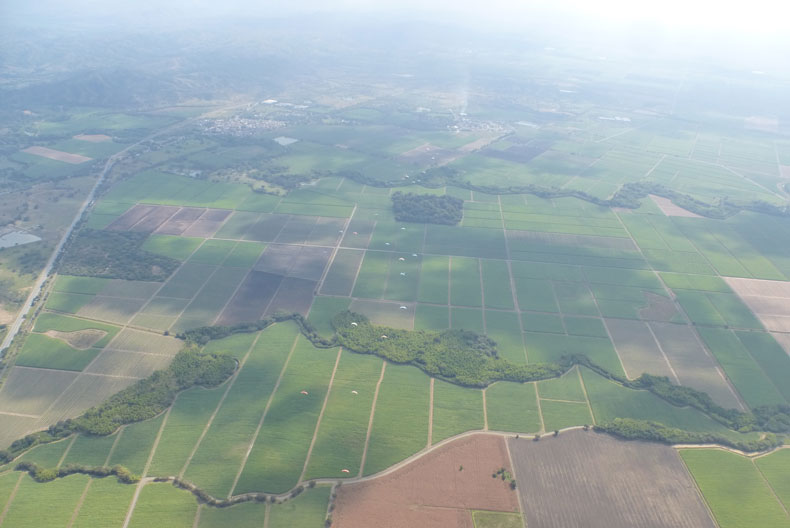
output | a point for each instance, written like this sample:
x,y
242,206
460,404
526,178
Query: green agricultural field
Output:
x,y
244,254
340,278
541,322
503,327
346,417
134,446
400,421
50,321
305,511
84,285
185,423
213,252
739,365
324,310
775,468
733,487
48,455
567,387
561,414
455,410
162,503
429,317
90,450
512,407
45,352
60,498
434,280
465,282
244,515
489,519
220,454
177,247
496,284
278,457
105,504
67,302
771,358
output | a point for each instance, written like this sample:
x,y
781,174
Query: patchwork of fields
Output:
x,y
653,290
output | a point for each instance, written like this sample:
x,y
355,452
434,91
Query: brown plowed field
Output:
x,y
93,138
58,155
431,491
130,217
670,209
590,480
207,224
154,219
180,221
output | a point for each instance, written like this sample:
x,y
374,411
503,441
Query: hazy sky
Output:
x,y
755,16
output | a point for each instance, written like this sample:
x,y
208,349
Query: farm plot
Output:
x,y
280,451
455,410
403,279
342,272
512,407
691,363
59,496
172,246
465,241
57,155
304,262
345,420
465,282
394,236
165,504
429,317
496,284
386,313
207,224
503,327
400,422
432,491
111,309
736,492
105,504
768,300
622,484
294,295
747,376
637,349
434,280
775,467
31,391
46,352
221,453
180,221
251,299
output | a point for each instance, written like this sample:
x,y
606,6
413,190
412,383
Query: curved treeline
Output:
x,y
460,357
629,195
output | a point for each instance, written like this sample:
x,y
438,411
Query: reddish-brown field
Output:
x,y
589,480
93,138
58,155
670,209
432,491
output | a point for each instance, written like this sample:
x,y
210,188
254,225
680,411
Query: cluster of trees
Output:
x,y
427,208
458,356
628,196
42,474
629,429
145,399
152,395
774,418
115,255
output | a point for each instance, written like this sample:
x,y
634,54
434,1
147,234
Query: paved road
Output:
x,y
13,330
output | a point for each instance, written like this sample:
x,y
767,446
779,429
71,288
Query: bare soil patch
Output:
x,y
768,300
432,491
154,219
5,316
589,480
130,217
180,222
79,339
93,138
670,209
57,155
